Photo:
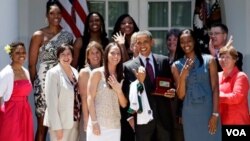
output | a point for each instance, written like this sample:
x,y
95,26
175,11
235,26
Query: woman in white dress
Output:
x,y
105,97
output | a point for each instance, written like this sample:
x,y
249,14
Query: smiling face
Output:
x,y
114,55
228,57
65,57
127,26
95,23
94,57
227,62
54,15
187,43
144,44
172,43
218,37
18,55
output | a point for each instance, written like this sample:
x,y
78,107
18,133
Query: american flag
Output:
x,y
74,13
206,13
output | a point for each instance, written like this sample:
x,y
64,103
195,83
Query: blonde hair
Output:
x,y
229,49
98,46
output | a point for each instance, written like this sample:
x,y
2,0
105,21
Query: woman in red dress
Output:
x,y
16,122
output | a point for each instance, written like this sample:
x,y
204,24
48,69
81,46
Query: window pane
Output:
x,y
159,46
158,14
110,31
115,9
181,14
95,6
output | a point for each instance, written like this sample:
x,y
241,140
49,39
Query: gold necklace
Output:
x,y
18,72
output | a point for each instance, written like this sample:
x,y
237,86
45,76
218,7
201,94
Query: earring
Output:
x,y
46,20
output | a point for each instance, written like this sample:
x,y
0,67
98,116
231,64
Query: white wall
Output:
x,y
8,28
31,18
236,19
247,41
239,26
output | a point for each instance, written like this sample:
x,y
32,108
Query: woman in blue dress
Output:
x,y
196,80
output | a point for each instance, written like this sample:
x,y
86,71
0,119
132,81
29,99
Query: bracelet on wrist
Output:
x,y
119,92
215,114
94,122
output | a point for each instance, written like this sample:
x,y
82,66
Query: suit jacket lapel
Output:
x,y
75,73
138,62
64,74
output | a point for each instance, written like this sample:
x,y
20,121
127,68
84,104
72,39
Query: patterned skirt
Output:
x,y
39,88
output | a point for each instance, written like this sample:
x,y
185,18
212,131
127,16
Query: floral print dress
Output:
x,y
48,59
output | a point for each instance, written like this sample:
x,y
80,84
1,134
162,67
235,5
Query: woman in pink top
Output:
x,y
234,87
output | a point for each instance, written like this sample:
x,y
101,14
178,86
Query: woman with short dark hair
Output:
x,y
234,87
62,96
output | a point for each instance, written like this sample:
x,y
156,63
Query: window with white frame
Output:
x,y
157,16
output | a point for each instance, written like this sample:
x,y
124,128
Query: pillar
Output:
x,y
8,27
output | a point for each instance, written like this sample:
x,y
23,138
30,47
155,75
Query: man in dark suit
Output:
x,y
161,127
218,38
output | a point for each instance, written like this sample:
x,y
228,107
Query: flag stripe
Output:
x,y
74,13
79,10
70,22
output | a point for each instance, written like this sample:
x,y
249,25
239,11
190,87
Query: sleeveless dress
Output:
x,y
82,136
197,105
16,122
47,59
107,113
